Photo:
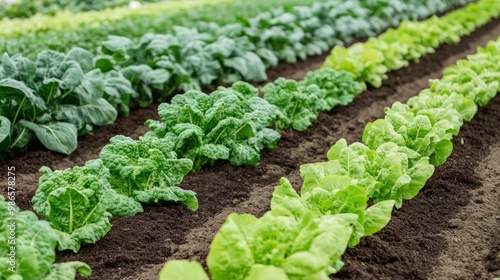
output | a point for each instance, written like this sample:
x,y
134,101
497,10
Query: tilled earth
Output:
x,y
451,230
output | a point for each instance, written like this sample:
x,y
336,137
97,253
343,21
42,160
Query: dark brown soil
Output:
x,y
408,247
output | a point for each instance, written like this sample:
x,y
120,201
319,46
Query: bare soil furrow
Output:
x,y
471,233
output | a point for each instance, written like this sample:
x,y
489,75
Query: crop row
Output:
x,y
60,96
62,32
28,8
196,129
304,236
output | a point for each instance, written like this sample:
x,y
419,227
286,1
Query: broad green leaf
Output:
x,y
83,57
10,87
99,112
8,67
56,136
377,216
230,255
174,194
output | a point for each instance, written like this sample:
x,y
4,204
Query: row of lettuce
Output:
x,y
304,235
60,96
233,124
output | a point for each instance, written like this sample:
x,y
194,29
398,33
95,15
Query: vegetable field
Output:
x,y
253,140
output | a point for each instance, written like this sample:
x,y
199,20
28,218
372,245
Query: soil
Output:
x,y
449,231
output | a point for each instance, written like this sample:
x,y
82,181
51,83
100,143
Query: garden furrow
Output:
x,y
161,233
471,232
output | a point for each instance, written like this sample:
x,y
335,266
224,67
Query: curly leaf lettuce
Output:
x,y
35,248
79,203
147,170
230,124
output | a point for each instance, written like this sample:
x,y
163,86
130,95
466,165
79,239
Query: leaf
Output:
x,y
56,136
174,194
264,272
4,132
99,112
10,87
68,270
83,57
377,216
72,75
8,68
183,270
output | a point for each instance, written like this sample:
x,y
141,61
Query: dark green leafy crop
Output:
x,y
56,98
230,123
147,170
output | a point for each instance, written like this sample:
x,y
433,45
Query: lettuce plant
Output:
x,y
35,243
308,246
467,82
147,170
55,98
229,124
390,172
79,203
325,193
428,100
427,131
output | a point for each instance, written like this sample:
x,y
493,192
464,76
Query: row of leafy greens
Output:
x,y
195,129
28,8
306,233
56,98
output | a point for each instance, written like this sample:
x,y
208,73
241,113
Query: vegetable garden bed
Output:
x,y
449,230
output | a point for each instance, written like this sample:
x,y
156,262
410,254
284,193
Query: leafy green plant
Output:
x,y
147,170
230,123
426,131
55,98
326,193
298,104
79,203
338,88
194,271
35,243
